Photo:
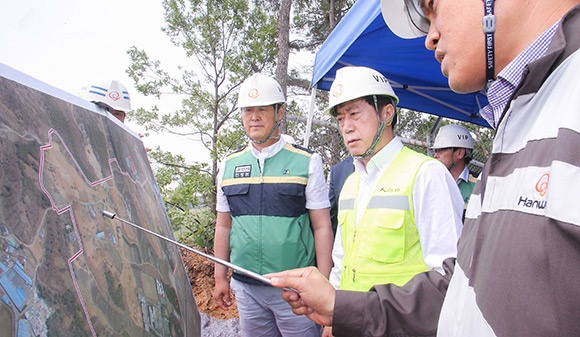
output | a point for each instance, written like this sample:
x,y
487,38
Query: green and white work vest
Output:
x,y
385,246
270,224
466,187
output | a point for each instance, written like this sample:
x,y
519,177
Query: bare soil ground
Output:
x,y
200,272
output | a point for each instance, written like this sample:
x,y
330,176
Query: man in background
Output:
x,y
109,95
336,178
454,148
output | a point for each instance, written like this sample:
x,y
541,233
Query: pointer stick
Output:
x,y
239,269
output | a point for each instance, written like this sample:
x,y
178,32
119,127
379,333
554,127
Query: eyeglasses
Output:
x,y
442,149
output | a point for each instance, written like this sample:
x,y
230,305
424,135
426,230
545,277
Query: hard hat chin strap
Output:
x,y
453,162
452,165
376,141
269,136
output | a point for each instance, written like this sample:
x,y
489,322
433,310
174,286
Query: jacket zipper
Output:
x,y
353,244
260,257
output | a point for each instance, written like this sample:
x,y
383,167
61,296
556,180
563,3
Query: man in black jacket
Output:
x,y
336,178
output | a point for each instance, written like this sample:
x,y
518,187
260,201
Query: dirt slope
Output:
x,y
200,272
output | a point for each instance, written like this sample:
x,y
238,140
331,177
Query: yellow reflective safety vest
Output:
x,y
385,246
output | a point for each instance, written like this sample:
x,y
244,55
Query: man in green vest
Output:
x,y
454,148
272,215
400,211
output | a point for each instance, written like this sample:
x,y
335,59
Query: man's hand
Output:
x,y
315,297
327,331
221,293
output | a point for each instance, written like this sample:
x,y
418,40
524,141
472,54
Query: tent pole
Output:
x,y
310,116
431,136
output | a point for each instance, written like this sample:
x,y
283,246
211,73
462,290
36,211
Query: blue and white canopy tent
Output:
x,y
362,38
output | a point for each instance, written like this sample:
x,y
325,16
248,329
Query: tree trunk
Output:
x,y
331,21
283,50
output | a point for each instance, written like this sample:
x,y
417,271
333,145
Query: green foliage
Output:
x,y
316,19
182,185
324,139
196,226
226,41
414,125
187,191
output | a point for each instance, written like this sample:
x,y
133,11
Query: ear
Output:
x,y
459,153
387,113
281,111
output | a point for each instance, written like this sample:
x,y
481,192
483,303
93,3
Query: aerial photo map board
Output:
x,y
65,270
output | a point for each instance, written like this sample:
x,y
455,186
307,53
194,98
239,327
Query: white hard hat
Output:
x,y
111,93
355,82
405,18
260,90
453,136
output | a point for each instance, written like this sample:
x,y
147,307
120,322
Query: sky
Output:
x,y
68,43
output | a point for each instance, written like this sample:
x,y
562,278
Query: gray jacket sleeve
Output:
x,y
388,310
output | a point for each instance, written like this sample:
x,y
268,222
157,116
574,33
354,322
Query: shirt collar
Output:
x,y
463,176
379,162
269,151
508,78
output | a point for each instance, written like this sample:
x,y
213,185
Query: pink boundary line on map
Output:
x,y
68,207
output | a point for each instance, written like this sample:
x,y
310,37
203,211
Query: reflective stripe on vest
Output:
x,y
378,201
271,228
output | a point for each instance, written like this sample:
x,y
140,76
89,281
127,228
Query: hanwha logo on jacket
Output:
x,y
542,188
542,184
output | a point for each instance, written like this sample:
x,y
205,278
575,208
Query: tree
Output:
x,y
312,23
185,201
316,19
227,40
